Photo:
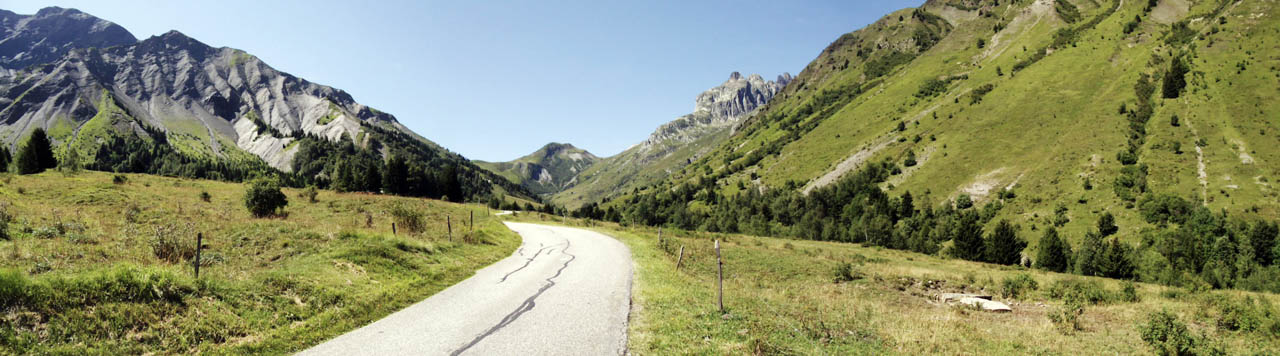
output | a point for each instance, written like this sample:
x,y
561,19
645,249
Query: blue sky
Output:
x,y
495,80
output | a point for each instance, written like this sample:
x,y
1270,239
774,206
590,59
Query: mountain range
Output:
x,y
1080,108
579,177
96,89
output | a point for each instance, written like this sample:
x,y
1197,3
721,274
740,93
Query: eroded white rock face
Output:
x,y
181,86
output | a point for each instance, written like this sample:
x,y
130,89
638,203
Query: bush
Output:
x,y
1018,286
846,272
1067,316
1107,224
1087,292
5,218
119,179
407,219
1168,336
173,243
309,194
204,196
1129,293
1243,314
263,198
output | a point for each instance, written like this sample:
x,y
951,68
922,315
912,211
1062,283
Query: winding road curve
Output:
x,y
565,291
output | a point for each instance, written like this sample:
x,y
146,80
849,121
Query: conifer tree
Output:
x,y
1004,246
1055,254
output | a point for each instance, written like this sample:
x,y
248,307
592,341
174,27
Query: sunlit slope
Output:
x,y
1024,99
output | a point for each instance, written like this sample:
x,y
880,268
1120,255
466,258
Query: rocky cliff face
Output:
x,y
53,32
716,113
715,109
207,96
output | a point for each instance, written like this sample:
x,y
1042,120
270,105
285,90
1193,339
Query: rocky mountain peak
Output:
x,y
717,108
53,32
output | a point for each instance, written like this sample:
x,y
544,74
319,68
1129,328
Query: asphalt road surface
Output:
x,y
565,291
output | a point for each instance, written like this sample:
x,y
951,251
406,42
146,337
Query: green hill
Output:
x,y
1044,114
1015,96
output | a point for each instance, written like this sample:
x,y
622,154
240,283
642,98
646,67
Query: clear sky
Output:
x,y
495,80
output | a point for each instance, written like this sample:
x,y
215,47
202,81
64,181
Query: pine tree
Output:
x,y
28,163
395,178
1055,254
1117,261
1262,235
1004,246
37,155
967,240
5,159
1089,259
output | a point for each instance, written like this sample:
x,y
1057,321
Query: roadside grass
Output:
x,y
804,297
82,271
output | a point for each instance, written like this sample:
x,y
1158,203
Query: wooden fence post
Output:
x,y
472,226
199,243
448,221
681,258
393,229
719,278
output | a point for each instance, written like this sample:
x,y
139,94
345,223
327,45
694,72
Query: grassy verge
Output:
x,y
804,297
91,266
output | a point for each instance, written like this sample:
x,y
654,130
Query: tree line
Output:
x,y
1185,245
410,168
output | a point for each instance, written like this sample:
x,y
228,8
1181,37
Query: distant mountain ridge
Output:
x,y
90,82
551,169
715,114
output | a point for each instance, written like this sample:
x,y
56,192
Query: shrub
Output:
x,y
1067,316
407,219
5,218
263,198
1129,293
173,243
1107,224
1018,286
1166,335
119,179
910,161
846,272
309,194
204,196
1087,292
1242,314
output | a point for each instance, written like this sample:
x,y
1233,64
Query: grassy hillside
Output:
x,y
1015,96
98,265
633,169
804,297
